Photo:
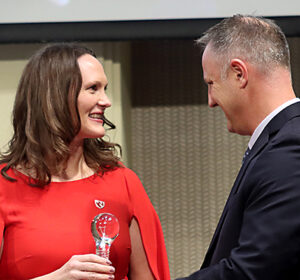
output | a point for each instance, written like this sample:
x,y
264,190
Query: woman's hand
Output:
x,y
79,267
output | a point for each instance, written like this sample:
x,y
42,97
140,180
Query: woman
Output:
x,y
59,173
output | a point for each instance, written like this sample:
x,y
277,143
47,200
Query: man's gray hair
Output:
x,y
259,41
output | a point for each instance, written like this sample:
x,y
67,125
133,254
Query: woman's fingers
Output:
x,y
95,267
91,258
89,266
78,267
91,276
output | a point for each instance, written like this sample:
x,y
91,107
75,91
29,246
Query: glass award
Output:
x,y
105,229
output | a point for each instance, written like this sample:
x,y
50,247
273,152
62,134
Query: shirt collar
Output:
x,y
267,119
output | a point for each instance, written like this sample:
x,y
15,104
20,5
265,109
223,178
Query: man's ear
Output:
x,y
240,71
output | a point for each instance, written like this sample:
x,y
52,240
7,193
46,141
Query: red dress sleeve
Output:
x,y
2,221
1,225
150,227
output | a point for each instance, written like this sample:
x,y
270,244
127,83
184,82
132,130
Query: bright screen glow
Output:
x,y
20,11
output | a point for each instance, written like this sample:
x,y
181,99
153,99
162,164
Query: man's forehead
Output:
x,y
207,58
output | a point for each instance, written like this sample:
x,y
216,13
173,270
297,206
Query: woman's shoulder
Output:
x,y
6,174
7,182
121,171
2,165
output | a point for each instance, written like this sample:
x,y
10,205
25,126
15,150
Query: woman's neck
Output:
x,y
76,167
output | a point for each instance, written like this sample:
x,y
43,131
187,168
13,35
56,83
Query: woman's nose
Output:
x,y
104,101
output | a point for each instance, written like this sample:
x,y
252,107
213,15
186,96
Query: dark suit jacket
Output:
x,y
258,235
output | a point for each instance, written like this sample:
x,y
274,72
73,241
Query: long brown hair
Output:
x,y
46,118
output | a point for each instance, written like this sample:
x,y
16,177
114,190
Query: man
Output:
x,y
246,65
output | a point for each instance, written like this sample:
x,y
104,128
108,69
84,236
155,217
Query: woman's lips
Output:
x,y
96,117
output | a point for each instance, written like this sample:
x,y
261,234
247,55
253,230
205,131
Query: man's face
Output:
x,y
222,91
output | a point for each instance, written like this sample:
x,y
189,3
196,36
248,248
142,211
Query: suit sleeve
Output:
x,y
150,227
269,241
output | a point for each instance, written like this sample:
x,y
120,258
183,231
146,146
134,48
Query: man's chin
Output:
x,y
230,128
241,131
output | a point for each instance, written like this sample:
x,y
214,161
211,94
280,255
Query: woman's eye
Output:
x,y
93,88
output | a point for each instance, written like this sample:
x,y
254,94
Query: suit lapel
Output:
x,y
262,141
273,127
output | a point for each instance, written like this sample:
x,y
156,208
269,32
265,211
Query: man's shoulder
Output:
x,y
281,156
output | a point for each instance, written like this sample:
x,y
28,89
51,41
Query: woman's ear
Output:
x,y
240,71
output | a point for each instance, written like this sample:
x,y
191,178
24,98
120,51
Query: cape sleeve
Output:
x,y
2,221
150,227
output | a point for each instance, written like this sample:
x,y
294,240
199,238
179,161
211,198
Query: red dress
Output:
x,y
43,228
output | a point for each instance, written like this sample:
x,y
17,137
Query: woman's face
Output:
x,y
92,99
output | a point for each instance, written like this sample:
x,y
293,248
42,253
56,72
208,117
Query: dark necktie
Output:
x,y
246,154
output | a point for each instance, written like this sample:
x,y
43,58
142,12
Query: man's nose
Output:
x,y
211,101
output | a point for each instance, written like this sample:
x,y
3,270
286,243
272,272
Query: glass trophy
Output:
x,y
105,228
